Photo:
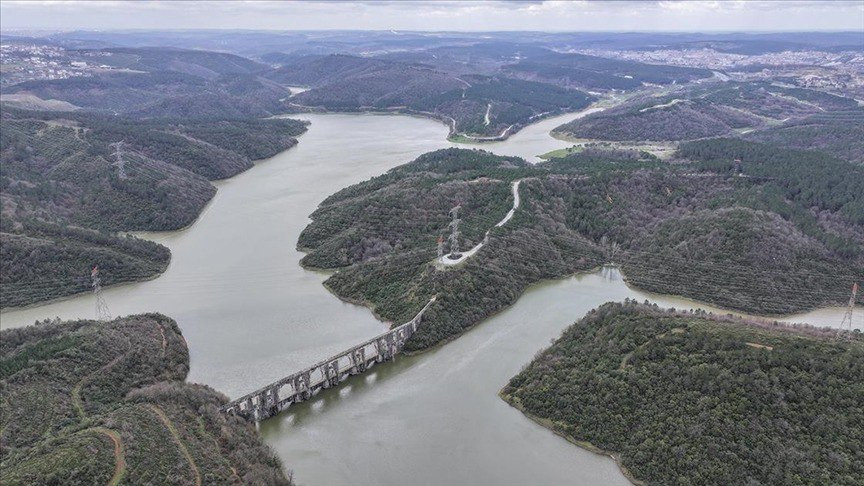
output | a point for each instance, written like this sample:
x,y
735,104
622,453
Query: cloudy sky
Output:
x,y
584,15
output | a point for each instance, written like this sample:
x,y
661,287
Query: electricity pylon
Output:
x,y
120,163
102,312
846,323
454,233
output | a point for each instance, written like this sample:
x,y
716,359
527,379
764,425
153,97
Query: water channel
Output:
x,y
251,315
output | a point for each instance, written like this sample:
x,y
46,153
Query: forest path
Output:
x,y
177,440
119,454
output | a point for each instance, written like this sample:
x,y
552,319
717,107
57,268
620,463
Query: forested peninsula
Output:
x,y
793,221
86,402
688,398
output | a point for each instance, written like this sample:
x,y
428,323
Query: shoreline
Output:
x,y
793,329
452,135
79,294
584,445
711,309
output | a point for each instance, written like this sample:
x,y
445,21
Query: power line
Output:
x,y
102,312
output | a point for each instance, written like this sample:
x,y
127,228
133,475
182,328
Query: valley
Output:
x,y
242,316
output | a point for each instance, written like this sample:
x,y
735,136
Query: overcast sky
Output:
x,y
586,15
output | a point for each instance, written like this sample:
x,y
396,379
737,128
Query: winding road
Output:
x,y
446,260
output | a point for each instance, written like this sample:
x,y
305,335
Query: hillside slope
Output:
x,y
87,402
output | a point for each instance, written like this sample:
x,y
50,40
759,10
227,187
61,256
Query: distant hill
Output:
x,y
88,402
704,111
598,73
536,63
164,94
322,70
204,64
164,82
475,105
261,43
475,58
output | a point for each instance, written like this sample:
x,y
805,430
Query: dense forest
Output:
x,y
687,398
62,177
839,133
43,261
706,110
689,228
88,402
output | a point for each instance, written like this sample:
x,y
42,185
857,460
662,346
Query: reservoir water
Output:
x,y
251,315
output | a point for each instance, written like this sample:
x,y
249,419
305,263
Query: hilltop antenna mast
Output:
x,y
120,163
846,323
454,233
102,312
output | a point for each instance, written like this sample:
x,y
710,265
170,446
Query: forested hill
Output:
x,y
682,398
839,133
88,402
475,105
530,61
204,64
322,70
62,169
787,238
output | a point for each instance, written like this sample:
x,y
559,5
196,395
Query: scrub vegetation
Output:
x,y
87,402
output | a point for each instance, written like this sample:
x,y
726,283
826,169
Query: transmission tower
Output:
x,y
454,233
102,312
120,163
846,323
738,168
440,247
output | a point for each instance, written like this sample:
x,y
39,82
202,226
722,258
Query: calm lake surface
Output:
x,y
251,315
